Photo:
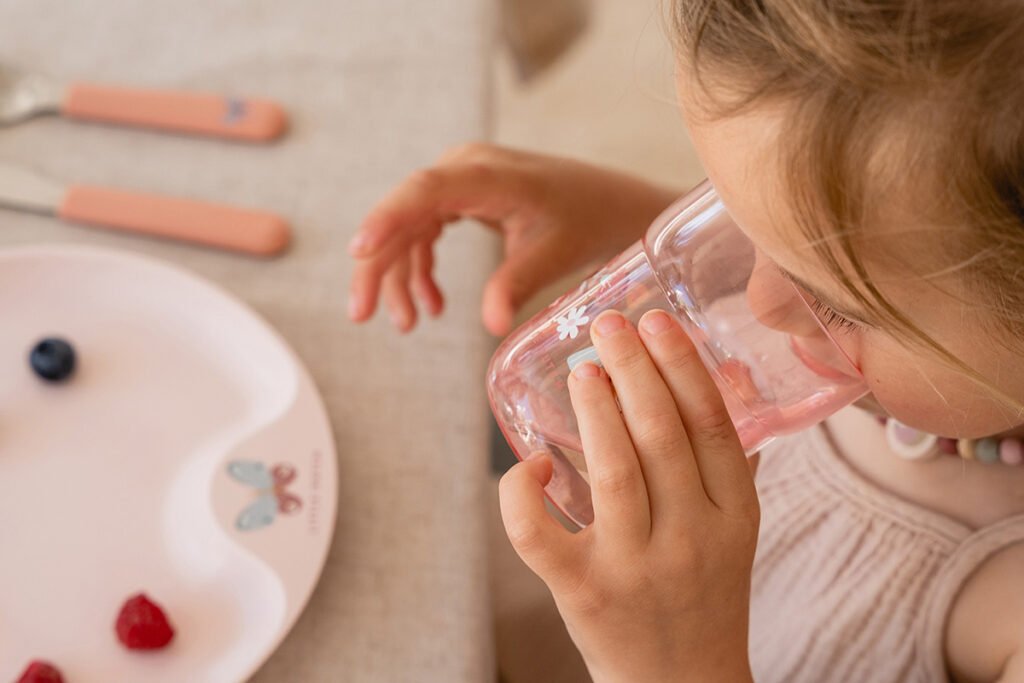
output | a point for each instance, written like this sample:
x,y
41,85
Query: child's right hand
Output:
x,y
554,214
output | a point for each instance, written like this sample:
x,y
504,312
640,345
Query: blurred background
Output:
x,y
609,98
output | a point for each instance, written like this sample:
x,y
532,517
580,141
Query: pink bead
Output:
x,y
947,446
1011,451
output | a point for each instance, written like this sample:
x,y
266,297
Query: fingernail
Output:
x,y
353,306
655,322
585,370
609,323
397,319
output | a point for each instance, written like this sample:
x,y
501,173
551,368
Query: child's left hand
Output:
x,y
658,587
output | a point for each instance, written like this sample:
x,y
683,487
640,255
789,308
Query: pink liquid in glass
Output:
x,y
774,380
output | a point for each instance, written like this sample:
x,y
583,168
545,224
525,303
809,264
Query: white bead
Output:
x,y
922,446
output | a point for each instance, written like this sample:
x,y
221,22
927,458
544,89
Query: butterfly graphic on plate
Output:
x,y
272,498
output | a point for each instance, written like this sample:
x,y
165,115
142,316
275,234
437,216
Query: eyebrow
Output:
x,y
841,310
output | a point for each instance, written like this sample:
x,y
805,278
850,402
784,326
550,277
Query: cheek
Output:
x,y
924,393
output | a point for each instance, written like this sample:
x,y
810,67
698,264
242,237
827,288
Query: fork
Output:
x,y
25,95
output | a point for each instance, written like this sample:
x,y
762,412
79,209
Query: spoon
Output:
x,y
26,95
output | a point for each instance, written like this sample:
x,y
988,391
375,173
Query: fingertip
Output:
x,y
362,245
371,233
536,465
357,245
497,318
541,467
587,370
436,308
656,322
438,300
363,298
498,311
539,540
363,293
403,320
355,307
607,324
429,294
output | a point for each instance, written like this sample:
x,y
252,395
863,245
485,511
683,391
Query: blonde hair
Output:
x,y
939,81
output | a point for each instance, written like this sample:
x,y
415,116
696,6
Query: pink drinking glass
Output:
x,y
777,366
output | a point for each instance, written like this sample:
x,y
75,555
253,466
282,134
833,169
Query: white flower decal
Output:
x,y
569,324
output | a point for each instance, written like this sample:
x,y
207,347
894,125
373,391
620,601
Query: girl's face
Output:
x,y
912,385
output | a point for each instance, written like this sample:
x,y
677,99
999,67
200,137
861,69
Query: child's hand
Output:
x,y
658,587
554,214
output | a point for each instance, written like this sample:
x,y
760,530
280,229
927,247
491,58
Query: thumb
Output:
x,y
540,541
518,278
539,466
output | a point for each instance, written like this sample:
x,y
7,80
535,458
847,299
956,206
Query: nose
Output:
x,y
775,301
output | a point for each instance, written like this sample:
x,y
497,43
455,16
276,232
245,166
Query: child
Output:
x,y
874,150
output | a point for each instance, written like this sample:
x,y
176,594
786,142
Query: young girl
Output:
x,y
874,151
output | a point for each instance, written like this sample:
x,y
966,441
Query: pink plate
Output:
x,y
189,457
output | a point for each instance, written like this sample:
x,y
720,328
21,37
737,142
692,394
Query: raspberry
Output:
x,y
40,672
142,625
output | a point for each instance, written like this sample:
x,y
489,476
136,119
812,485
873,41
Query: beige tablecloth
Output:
x,y
375,88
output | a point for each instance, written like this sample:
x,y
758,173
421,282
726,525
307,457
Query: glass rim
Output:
x,y
702,198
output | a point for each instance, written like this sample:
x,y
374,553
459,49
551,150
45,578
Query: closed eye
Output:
x,y
830,317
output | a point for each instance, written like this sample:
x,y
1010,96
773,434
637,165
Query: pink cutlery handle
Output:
x,y
185,112
252,232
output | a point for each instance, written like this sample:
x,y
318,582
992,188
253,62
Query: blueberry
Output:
x,y
53,359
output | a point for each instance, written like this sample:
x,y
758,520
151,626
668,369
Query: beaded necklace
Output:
x,y
913,444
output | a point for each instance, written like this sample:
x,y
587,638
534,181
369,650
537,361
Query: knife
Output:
x,y
258,233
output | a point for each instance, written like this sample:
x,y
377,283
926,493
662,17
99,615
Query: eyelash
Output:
x,y
827,314
830,317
